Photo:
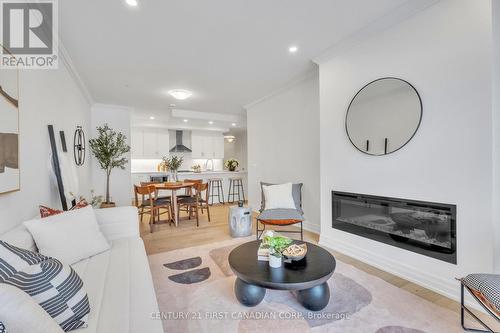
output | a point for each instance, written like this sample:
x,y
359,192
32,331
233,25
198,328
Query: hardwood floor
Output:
x,y
168,237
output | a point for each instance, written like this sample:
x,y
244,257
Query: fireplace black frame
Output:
x,y
450,255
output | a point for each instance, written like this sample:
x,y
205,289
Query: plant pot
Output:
x,y
108,205
274,262
232,169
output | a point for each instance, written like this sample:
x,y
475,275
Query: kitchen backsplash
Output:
x,y
138,165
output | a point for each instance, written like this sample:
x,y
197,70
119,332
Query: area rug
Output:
x,y
194,287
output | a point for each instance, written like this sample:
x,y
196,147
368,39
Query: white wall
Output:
x,y
496,130
118,118
444,52
46,97
283,144
237,149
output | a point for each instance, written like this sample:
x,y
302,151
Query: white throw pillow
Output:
x,y
20,237
69,237
21,314
278,196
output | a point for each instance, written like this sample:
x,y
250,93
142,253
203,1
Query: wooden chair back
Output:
x,y
200,188
143,191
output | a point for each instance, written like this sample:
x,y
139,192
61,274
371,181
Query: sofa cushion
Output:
x,y
2,328
120,289
56,287
487,288
21,314
69,237
19,237
47,211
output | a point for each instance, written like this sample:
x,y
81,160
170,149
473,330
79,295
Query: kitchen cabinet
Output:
x,y
207,145
149,143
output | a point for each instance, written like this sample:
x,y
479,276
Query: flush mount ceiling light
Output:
x,y
293,49
131,3
152,118
211,122
229,138
180,94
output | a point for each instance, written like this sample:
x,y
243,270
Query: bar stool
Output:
x,y
235,188
216,183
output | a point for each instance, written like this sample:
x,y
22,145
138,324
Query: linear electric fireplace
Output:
x,y
427,228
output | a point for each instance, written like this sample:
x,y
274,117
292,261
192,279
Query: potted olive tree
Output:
x,y
109,148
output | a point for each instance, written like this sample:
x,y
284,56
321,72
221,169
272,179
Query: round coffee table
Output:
x,y
307,277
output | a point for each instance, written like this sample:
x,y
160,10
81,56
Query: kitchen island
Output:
x,y
138,177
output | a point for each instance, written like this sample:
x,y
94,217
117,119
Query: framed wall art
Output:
x,y
9,131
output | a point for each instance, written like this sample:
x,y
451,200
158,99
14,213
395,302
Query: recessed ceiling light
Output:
x,y
293,49
131,3
211,122
233,124
180,94
152,118
172,105
185,120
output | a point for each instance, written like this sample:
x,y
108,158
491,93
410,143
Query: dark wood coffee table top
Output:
x,y
317,267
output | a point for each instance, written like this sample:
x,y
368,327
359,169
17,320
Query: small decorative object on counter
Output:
x,y
276,245
231,164
162,167
173,163
196,168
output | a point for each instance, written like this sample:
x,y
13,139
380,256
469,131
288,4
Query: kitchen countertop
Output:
x,y
190,172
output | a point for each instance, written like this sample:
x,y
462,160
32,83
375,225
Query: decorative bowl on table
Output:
x,y
296,252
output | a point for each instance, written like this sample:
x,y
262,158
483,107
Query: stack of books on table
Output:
x,y
263,253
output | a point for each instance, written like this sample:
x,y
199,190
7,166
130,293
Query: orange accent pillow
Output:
x,y
47,211
280,222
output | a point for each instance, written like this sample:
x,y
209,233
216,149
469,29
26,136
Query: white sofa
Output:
x,y
118,281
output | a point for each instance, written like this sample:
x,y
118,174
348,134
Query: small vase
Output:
x,y
175,177
232,169
274,262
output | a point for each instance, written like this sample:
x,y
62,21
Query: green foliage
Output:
x,y
232,164
109,148
173,162
276,244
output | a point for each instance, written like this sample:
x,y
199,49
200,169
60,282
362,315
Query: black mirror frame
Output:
x,y
360,90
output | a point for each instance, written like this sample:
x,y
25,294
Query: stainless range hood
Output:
x,y
179,147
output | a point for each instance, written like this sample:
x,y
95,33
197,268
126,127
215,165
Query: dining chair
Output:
x,y
196,202
149,204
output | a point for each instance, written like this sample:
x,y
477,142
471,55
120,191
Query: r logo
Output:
x,y
27,27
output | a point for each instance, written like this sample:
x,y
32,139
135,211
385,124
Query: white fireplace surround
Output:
x,y
450,159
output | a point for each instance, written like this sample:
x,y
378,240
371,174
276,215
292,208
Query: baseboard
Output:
x,y
445,287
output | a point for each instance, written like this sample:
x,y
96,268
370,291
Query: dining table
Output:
x,y
174,187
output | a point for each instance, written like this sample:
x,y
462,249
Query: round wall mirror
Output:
x,y
383,116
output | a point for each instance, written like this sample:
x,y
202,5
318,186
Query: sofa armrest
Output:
x,y
118,222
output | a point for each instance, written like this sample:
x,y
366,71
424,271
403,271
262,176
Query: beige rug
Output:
x,y
194,287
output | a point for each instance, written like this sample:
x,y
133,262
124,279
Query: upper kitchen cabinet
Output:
x,y
149,143
207,145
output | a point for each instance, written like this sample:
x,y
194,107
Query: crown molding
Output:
x,y
73,72
381,24
311,73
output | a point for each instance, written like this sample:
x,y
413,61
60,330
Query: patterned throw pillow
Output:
x,y
54,286
47,211
2,328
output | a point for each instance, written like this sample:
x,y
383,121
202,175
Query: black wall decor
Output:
x,y
79,146
57,168
63,141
